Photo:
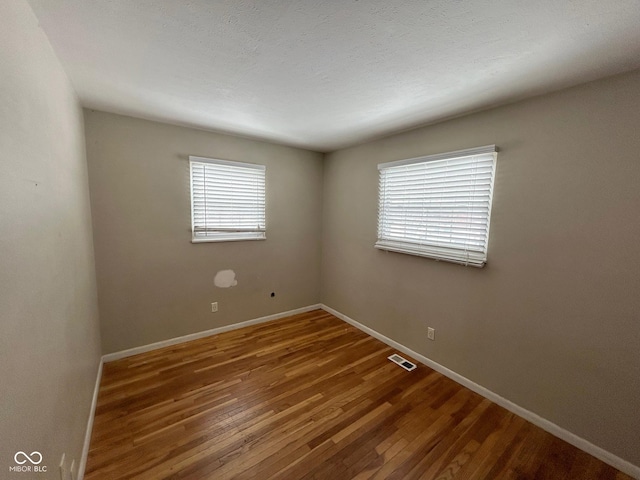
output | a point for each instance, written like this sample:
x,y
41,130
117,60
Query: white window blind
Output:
x,y
438,206
227,200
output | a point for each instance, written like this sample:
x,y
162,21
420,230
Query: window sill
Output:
x,y
230,239
437,254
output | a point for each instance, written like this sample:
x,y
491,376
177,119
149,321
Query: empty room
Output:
x,y
319,240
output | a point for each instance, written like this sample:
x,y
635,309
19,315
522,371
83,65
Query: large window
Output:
x,y
227,200
438,206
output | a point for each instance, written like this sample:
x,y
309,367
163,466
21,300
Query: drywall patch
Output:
x,y
225,279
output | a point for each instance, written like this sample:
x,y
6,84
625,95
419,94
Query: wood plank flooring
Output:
x,y
309,397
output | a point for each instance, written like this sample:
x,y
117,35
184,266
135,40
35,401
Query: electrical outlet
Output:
x,y
214,307
431,333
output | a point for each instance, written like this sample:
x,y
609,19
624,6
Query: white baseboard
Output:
x,y
110,357
89,429
552,428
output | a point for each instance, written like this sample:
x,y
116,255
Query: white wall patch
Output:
x,y
225,279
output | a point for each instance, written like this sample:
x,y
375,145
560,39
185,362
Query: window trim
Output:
x,y
234,235
439,252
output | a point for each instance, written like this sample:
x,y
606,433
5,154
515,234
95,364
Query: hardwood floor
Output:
x,y
309,397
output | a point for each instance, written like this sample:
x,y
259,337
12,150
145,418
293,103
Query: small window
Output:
x,y
438,206
227,200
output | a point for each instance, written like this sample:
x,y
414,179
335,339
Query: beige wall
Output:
x,y
49,345
552,322
154,284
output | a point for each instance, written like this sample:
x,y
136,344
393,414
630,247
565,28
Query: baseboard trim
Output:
x,y
89,429
110,357
552,428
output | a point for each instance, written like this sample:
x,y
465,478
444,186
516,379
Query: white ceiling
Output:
x,y
327,74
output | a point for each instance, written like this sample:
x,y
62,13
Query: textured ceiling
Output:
x,y
327,74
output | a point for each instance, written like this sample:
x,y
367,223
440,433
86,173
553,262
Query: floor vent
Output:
x,y
406,364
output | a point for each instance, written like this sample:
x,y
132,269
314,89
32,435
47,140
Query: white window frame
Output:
x,y
247,177
414,218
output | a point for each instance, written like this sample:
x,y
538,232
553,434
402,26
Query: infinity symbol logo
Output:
x,y
28,457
